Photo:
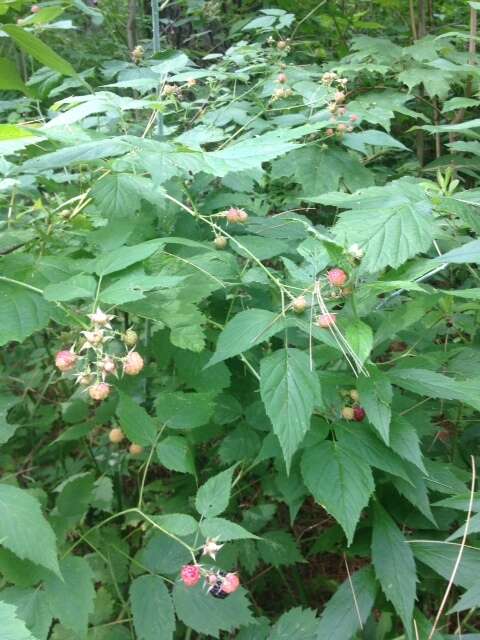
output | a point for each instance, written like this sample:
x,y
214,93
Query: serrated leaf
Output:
x,y
296,624
339,481
135,421
404,440
83,152
125,256
289,389
12,627
213,496
206,614
469,600
415,491
75,494
175,454
364,442
442,556
244,331
224,530
152,608
394,565
24,530
279,549
71,598
80,286
181,410
391,233
38,49
32,608
350,606
23,313
178,523
437,385
469,252
375,396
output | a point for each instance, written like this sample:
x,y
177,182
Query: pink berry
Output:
x,y
339,96
235,215
337,277
99,391
190,574
231,582
326,320
341,128
358,414
65,360
108,365
353,117
282,78
133,364
35,8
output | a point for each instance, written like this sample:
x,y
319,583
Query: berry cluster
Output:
x,y
337,106
219,584
355,412
98,363
116,436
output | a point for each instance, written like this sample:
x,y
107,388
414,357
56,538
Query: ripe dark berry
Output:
x,y
358,414
216,589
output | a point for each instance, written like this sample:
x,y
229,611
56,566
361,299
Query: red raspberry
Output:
x,y
282,78
326,320
359,414
337,277
190,574
231,582
353,117
65,360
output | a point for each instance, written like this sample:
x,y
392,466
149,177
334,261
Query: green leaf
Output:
x,y
442,556
175,454
135,421
279,549
181,410
12,628
39,50
394,565
390,234
152,608
205,614
296,624
371,137
245,330
349,607
75,494
83,152
289,389
375,396
415,491
469,252
10,79
213,496
366,444
32,608
125,256
80,286
23,313
469,600
360,337
436,385
178,523
71,599
6,429
340,482
404,440
224,530
24,530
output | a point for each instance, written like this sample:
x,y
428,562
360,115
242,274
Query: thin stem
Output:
x,y
147,465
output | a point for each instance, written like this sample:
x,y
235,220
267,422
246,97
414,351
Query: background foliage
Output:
x,y
117,163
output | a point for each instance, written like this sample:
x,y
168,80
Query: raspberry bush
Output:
x,y
239,297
